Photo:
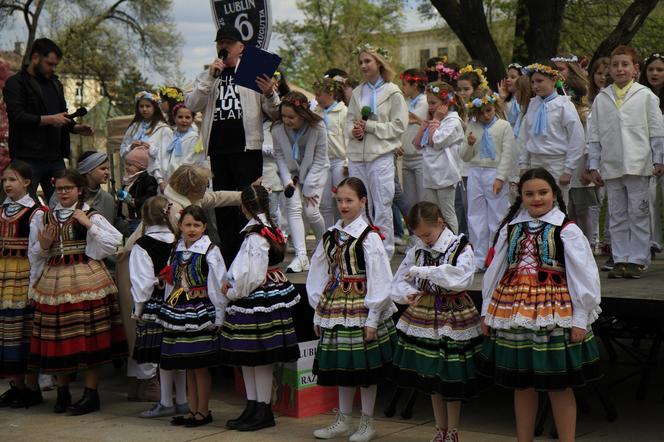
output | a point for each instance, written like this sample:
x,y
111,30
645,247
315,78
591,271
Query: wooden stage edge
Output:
x,y
649,288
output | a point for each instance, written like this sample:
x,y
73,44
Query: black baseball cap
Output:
x,y
228,33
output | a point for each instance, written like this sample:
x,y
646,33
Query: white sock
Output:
x,y
249,376
180,386
264,383
166,386
368,396
346,395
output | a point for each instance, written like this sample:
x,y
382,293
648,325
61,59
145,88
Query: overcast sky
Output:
x,y
194,22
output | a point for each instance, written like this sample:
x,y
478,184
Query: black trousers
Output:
x,y
233,171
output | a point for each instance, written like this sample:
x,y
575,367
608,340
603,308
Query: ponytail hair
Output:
x,y
425,211
155,212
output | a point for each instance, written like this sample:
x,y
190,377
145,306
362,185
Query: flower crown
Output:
x,y
654,56
328,86
478,102
446,96
171,92
515,65
484,84
572,59
539,68
368,47
277,75
451,73
295,101
413,78
148,96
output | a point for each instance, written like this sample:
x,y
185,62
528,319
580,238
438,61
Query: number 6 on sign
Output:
x,y
252,18
243,25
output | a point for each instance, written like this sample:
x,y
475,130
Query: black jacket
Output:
x,y
144,187
25,106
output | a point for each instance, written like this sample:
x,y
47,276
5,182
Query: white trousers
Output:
x,y
378,177
445,199
555,165
656,212
328,204
629,218
485,210
294,206
412,184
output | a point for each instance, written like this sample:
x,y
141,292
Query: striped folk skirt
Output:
x,y
73,337
259,330
545,360
344,358
147,348
439,339
16,315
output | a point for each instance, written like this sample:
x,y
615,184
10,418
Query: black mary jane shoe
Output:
x,y
180,421
262,418
199,422
28,398
10,395
249,410
63,400
87,404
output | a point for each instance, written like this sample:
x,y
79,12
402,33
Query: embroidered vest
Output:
x,y
433,259
549,250
69,245
191,273
348,257
15,232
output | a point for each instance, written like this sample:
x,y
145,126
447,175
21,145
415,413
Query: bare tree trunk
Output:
x,y
474,33
522,22
629,24
543,34
31,21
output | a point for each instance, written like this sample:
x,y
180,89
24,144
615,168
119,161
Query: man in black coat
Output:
x,y
38,124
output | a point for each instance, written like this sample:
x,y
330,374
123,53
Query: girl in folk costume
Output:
x,y
507,91
258,330
541,293
148,257
439,333
349,287
413,84
137,186
333,110
490,150
552,135
377,118
300,145
77,325
440,138
148,130
191,313
16,311
185,146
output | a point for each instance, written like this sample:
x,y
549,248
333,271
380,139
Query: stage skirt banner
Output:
x,y
252,18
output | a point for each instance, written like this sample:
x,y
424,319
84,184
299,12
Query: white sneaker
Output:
x,y
298,264
342,426
365,432
439,436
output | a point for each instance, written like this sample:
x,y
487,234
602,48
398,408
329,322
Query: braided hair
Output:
x,y
531,174
256,200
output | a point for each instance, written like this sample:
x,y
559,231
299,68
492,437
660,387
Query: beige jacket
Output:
x,y
337,136
383,131
505,145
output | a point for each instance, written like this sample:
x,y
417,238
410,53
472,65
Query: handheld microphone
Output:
x,y
366,113
290,190
80,112
223,53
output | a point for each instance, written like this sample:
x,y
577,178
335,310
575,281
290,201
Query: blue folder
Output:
x,y
254,63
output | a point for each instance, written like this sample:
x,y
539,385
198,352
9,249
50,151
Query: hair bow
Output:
x,y
278,238
377,230
166,274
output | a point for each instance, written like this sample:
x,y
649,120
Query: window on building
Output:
x,y
425,54
443,52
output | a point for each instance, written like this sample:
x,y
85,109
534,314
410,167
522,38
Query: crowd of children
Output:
x,y
501,165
